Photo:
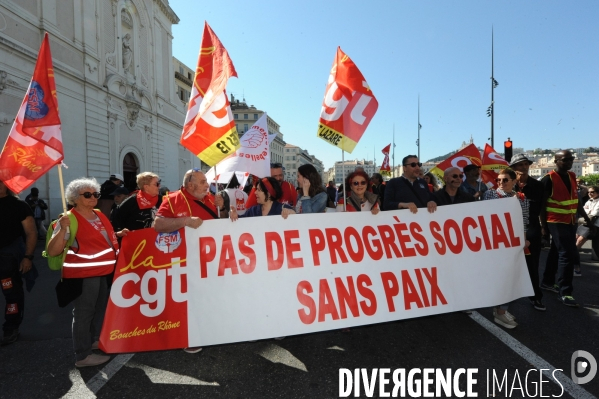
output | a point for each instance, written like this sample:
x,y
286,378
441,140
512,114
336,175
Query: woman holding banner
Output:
x,y
314,198
268,193
89,263
505,183
359,198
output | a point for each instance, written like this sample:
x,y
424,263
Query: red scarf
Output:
x,y
145,201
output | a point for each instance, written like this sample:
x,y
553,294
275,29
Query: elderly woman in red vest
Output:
x,y
359,198
89,261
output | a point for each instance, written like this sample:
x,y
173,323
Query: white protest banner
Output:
x,y
266,277
253,156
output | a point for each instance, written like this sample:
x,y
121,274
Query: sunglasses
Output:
x,y
359,183
157,183
461,176
504,180
591,192
569,159
88,195
413,164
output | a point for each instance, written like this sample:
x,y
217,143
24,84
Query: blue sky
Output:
x,y
546,63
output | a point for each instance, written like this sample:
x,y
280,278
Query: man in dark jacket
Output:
x,y
378,187
409,191
139,210
451,193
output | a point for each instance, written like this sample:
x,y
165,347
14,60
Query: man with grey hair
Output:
x,y
139,209
451,193
188,207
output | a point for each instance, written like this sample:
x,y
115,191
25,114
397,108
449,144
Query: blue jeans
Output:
x,y
562,257
88,315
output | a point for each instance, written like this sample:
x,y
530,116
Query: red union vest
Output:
x,y
94,256
562,204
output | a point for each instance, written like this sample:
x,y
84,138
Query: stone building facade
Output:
x,y
115,84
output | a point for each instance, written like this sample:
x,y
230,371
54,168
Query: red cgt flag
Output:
x,y
385,169
348,106
466,156
34,144
209,130
491,165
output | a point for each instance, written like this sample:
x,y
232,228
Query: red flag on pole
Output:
x,y
209,130
385,169
34,144
466,156
491,165
348,106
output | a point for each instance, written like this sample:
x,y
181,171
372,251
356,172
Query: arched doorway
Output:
x,y
130,171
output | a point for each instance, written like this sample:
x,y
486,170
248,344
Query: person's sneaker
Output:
x,y
538,305
92,360
192,349
568,301
547,287
577,273
10,337
504,320
510,316
96,345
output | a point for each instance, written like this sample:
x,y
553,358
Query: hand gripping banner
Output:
x,y
348,106
268,277
209,131
34,144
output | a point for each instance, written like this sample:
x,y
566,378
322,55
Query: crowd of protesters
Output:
x,y
550,207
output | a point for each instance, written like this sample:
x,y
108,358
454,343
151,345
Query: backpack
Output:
x,y
55,262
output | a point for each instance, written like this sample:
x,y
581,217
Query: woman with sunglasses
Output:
x,y
139,209
505,182
312,197
89,262
268,193
591,207
359,198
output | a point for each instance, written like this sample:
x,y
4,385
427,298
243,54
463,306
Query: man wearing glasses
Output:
x,y
533,191
409,191
189,206
289,194
451,193
558,218
472,185
138,210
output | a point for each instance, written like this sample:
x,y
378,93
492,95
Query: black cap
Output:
x,y
120,190
470,167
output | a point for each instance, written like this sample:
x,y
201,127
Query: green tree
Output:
x,y
591,180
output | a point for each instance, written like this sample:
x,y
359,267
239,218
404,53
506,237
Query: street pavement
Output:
x,y
41,363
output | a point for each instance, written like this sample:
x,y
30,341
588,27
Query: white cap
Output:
x,y
117,176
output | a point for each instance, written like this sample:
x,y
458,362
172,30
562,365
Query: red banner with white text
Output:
x,y
466,156
268,277
492,164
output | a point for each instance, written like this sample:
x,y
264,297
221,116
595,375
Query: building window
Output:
x,y
181,71
236,116
256,116
245,116
245,127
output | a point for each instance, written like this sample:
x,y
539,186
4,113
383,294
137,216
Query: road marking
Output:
x,y
539,363
158,376
78,390
99,380
276,354
336,348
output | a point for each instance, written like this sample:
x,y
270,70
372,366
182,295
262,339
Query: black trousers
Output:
x,y
12,285
533,234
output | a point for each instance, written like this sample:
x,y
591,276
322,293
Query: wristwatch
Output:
x,y
30,257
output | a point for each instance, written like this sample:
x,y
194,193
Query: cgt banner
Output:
x,y
269,277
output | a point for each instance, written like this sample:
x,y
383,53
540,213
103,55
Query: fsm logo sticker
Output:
x,y
168,242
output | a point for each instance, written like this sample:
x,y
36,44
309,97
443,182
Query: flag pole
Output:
x,y
393,156
216,190
61,182
343,175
